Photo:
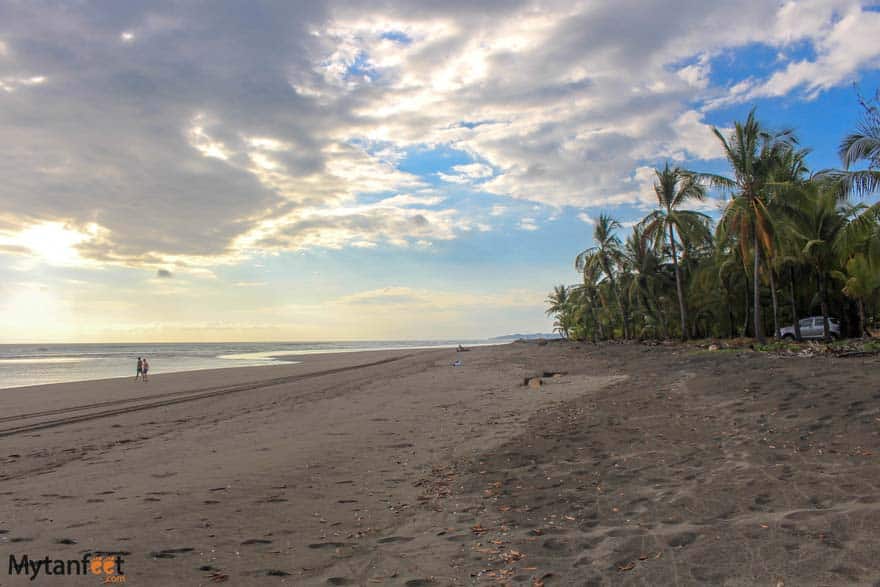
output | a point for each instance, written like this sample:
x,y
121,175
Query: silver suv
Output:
x,y
812,328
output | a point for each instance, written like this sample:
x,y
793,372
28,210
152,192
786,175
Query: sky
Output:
x,y
243,171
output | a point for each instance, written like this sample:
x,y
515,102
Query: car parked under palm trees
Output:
x,y
812,328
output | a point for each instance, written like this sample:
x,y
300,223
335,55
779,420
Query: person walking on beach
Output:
x,y
146,368
140,371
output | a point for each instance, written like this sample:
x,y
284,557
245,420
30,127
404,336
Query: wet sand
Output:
x,y
638,465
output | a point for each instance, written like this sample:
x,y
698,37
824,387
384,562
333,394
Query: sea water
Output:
x,y
37,364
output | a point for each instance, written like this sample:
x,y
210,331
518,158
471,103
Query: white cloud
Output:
x,y
557,103
843,50
468,173
11,83
528,224
584,217
395,297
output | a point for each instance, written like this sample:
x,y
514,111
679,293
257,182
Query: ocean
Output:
x,y
37,364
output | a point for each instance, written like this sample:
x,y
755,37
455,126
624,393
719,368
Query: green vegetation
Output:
x,y
788,244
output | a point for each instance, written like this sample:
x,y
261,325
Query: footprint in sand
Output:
x,y
317,545
170,552
554,544
682,540
273,573
65,541
339,581
391,539
256,541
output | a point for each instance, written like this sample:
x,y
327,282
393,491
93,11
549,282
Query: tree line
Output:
x,y
788,244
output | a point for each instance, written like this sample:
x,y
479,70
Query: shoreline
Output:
x,y
274,359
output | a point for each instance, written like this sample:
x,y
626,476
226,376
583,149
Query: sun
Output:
x,y
53,242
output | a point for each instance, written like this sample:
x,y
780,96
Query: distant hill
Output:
x,y
527,336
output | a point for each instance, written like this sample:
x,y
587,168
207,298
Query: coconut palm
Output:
x,y
586,299
862,146
752,152
606,256
674,187
560,308
861,280
643,288
787,174
819,225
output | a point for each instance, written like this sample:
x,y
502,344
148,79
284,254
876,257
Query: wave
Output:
x,y
43,360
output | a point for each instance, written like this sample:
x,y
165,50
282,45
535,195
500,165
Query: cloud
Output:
x,y
528,224
394,297
467,173
194,138
841,52
586,218
164,274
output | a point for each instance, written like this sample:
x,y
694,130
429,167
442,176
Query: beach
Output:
x,y
627,464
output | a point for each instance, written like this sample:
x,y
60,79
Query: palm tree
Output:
x,y
646,273
586,298
861,281
862,146
752,152
673,188
605,256
786,178
819,225
560,308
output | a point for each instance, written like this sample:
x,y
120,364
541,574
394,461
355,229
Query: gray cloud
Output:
x,y
142,118
164,274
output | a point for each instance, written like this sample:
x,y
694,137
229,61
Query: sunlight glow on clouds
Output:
x,y
52,242
203,140
553,102
10,84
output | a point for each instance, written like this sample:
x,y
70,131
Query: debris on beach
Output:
x,y
793,349
535,382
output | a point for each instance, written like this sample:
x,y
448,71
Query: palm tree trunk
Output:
x,y
794,313
661,319
775,303
759,331
613,283
731,319
863,328
748,307
681,308
823,299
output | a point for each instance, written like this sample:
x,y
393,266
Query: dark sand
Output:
x,y
641,465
